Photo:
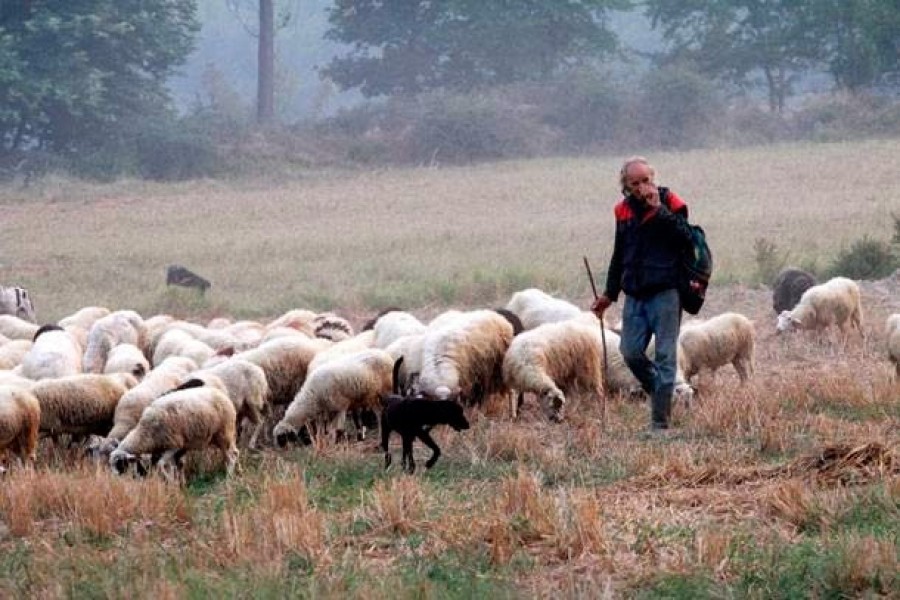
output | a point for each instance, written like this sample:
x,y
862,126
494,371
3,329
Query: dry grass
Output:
x,y
785,487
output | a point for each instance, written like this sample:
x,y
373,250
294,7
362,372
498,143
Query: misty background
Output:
x,y
177,89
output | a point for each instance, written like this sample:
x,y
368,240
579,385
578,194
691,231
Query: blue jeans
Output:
x,y
659,316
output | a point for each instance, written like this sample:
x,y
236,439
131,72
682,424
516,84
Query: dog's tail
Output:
x,y
396,375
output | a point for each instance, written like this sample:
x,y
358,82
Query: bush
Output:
x,y
867,258
769,261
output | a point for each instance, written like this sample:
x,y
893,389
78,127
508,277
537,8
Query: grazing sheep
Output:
x,y
84,318
12,353
553,361
245,384
464,358
285,362
184,277
535,307
80,404
16,301
332,327
835,302
788,287
187,419
177,342
15,328
119,327
127,358
164,377
353,382
892,332
352,345
20,420
395,324
54,353
723,339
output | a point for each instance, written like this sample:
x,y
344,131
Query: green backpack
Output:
x,y
696,270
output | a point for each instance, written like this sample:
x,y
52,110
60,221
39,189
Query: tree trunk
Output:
x,y
265,93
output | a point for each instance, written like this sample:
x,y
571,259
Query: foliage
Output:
x,y
867,258
401,47
75,73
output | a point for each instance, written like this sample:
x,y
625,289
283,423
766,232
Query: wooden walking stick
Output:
x,y
587,266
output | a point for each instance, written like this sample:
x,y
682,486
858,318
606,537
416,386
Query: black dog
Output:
x,y
413,418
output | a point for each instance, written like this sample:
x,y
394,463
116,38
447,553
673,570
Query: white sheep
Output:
x,y
298,318
409,347
178,342
80,404
892,332
162,378
535,307
716,342
553,361
217,339
464,358
84,317
332,327
183,420
127,358
17,301
55,352
396,324
835,302
12,353
245,384
247,334
285,361
20,420
352,382
119,327
15,328
279,332
351,345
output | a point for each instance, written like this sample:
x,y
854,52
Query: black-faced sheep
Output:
x,y
892,332
553,361
788,287
119,327
164,377
188,419
54,353
16,301
353,382
80,405
835,302
464,358
20,420
716,342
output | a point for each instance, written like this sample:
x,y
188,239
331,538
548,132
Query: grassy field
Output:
x,y
786,487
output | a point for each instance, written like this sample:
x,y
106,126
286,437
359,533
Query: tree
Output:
x,y
736,39
406,47
73,74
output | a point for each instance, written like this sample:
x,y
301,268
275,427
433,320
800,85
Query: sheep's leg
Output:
x,y
257,429
515,403
231,460
338,423
741,366
426,438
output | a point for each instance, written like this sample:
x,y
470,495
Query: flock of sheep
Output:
x,y
143,392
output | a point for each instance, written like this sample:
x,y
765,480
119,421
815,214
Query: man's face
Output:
x,y
639,181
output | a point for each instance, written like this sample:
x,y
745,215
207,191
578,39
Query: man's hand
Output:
x,y
600,304
649,193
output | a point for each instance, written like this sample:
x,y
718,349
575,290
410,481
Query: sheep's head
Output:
x,y
120,460
786,322
286,433
554,403
684,392
100,448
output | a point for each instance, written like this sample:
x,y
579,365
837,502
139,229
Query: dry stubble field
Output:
x,y
788,487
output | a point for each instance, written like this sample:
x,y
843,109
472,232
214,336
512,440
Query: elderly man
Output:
x,y
651,237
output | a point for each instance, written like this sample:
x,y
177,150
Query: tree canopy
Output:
x,y
71,73
401,47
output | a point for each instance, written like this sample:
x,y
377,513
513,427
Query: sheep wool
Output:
x,y
246,387
12,353
20,420
353,382
716,342
84,318
54,353
892,331
396,324
15,328
189,419
535,307
80,404
553,361
120,327
285,362
178,342
162,378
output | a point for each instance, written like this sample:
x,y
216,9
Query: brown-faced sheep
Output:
x,y
716,342
20,420
789,286
353,382
553,361
54,353
835,302
183,420
80,405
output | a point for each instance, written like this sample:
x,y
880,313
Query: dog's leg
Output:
x,y
426,438
385,438
408,460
